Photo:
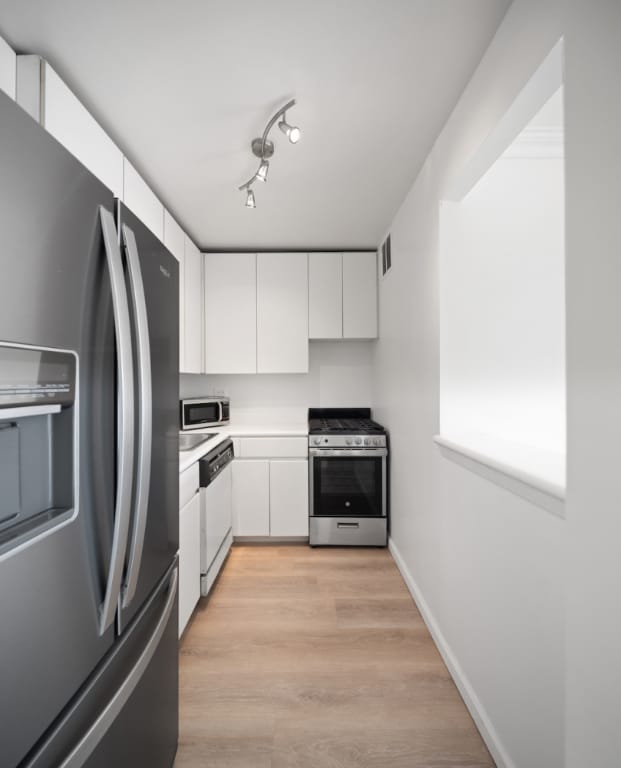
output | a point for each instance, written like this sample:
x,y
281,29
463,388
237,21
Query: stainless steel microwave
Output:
x,y
201,412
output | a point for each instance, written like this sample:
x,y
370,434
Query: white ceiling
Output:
x,y
183,86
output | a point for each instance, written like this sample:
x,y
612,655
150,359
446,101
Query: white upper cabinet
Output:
x,y
174,240
230,312
342,295
174,237
282,313
193,308
325,296
360,295
50,102
7,69
140,199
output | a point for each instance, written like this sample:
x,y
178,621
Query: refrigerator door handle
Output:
x,y
125,405
145,420
85,747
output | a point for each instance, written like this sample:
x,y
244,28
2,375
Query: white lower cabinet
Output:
x,y
289,497
189,559
270,487
251,498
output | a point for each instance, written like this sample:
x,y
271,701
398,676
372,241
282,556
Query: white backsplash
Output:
x,y
339,376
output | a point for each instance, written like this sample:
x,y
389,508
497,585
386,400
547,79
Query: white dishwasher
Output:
x,y
216,511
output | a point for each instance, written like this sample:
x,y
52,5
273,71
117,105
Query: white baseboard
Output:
x,y
471,700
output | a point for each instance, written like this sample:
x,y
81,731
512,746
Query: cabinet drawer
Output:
x,y
273,447
188,484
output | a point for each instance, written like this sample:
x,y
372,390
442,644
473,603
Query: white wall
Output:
x,y
593,130
339,375
502,289
490,569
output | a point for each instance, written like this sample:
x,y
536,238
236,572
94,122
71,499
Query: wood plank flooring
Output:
x,y
317,658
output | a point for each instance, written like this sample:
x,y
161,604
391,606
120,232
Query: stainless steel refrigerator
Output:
x,y
88,468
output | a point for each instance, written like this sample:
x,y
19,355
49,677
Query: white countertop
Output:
x,y
238,429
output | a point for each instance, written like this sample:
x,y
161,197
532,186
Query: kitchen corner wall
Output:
x,y
339,375
523,604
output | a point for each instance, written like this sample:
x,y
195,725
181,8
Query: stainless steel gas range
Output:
x,y
348,478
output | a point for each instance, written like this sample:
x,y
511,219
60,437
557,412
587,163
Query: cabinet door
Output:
x,y
174,240
289,497
251,498
360,295
47,99
230,312
193,306
325,295
141,200
282,313
7,69
189,559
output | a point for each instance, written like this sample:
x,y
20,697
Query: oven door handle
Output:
x,y
352,453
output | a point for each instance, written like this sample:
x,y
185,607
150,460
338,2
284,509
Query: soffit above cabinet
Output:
x,y
184,87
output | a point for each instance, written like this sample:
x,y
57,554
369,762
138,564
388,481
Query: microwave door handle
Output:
x,y
145,418
125,432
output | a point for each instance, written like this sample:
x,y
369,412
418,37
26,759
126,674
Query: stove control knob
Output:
x,y
358,441
367,441
316,440
348,441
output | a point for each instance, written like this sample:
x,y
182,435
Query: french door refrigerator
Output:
x,y
88,468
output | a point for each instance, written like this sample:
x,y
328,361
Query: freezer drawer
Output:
x,y
127,714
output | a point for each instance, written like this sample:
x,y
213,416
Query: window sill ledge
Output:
x,y
540,490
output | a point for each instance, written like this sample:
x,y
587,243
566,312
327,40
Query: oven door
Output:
x,y
347,483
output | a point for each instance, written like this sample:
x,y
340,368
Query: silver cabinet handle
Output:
x,y
348,525
145,420
125,449
84,749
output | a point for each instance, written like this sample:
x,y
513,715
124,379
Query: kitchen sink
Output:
x,y
189,442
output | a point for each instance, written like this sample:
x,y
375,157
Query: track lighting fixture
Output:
x,y
263,169
290,131
263,148
250,203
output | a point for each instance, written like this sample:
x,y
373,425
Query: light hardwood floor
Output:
x,y
317,658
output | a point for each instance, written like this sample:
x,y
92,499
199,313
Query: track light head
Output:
x,y
292,132
263,148
263,169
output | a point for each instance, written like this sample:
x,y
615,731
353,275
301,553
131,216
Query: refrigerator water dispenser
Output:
x,y
37,441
